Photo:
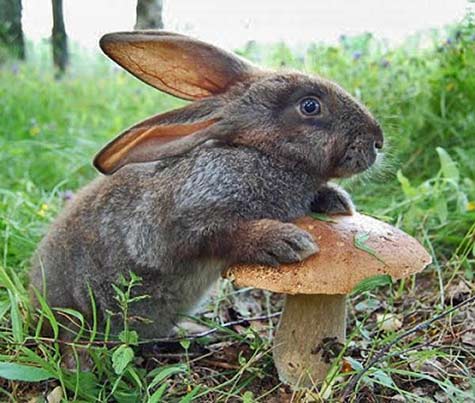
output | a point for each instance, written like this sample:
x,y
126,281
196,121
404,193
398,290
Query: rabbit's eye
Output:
x,y
310,106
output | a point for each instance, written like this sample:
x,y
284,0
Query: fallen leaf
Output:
x,y
398,399
246,306
55,396
469,338
441,397
346,367
457,292
388,322
368,305
431,367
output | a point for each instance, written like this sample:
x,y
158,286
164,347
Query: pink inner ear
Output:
x,y
144,143
176,64
197,82
191,86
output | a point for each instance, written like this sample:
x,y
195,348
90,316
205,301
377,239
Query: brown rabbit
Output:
x,y
191,191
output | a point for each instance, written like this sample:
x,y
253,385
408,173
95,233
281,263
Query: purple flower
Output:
x,y
357,55
67,195
385,63
15,69
449,41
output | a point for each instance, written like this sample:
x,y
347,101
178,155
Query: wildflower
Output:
x,y
471,206
67,195
15,69
357,55
43,209
385,63
389,322
35,130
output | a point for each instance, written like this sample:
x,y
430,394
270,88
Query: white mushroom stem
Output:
x,y
299,348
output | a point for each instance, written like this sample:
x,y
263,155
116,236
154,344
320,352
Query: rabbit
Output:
x,y
189,192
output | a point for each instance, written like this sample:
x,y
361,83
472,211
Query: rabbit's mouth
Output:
x,y
357,158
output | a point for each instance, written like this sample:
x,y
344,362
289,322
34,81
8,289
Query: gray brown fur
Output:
x,y
178,221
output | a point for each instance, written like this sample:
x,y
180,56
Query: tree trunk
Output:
x,y
149,14
60,40
11,33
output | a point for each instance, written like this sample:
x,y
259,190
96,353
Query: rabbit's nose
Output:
x,y
378,138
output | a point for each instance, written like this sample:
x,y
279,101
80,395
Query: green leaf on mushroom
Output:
x,y
360,242
322,217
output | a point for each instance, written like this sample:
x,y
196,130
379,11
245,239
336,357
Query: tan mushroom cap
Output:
x,y
340,265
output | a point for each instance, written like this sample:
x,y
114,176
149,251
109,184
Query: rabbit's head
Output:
x,y
305,120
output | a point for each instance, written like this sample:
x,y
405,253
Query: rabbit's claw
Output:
x,y
332,199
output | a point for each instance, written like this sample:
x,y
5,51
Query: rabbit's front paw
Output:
x,y
285,244
332,199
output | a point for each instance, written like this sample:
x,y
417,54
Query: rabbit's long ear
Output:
x,y
165,135
176,64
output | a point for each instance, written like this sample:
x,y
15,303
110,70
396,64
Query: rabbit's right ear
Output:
x,y
176,64
165,135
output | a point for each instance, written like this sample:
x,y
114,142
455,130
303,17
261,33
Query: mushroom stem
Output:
x,y
302,344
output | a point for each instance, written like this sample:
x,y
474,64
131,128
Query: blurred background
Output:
x,y
227,23
232,23
412,62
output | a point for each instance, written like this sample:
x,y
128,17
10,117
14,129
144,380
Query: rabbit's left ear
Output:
x,y
176,64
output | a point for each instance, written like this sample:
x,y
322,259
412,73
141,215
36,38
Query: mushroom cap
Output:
x,y
352,248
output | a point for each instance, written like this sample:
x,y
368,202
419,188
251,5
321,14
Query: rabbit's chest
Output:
x,y
197,282
187,288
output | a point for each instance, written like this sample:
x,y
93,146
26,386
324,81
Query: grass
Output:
x,y
423,96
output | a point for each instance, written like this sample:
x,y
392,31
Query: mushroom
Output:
x,y
352,249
